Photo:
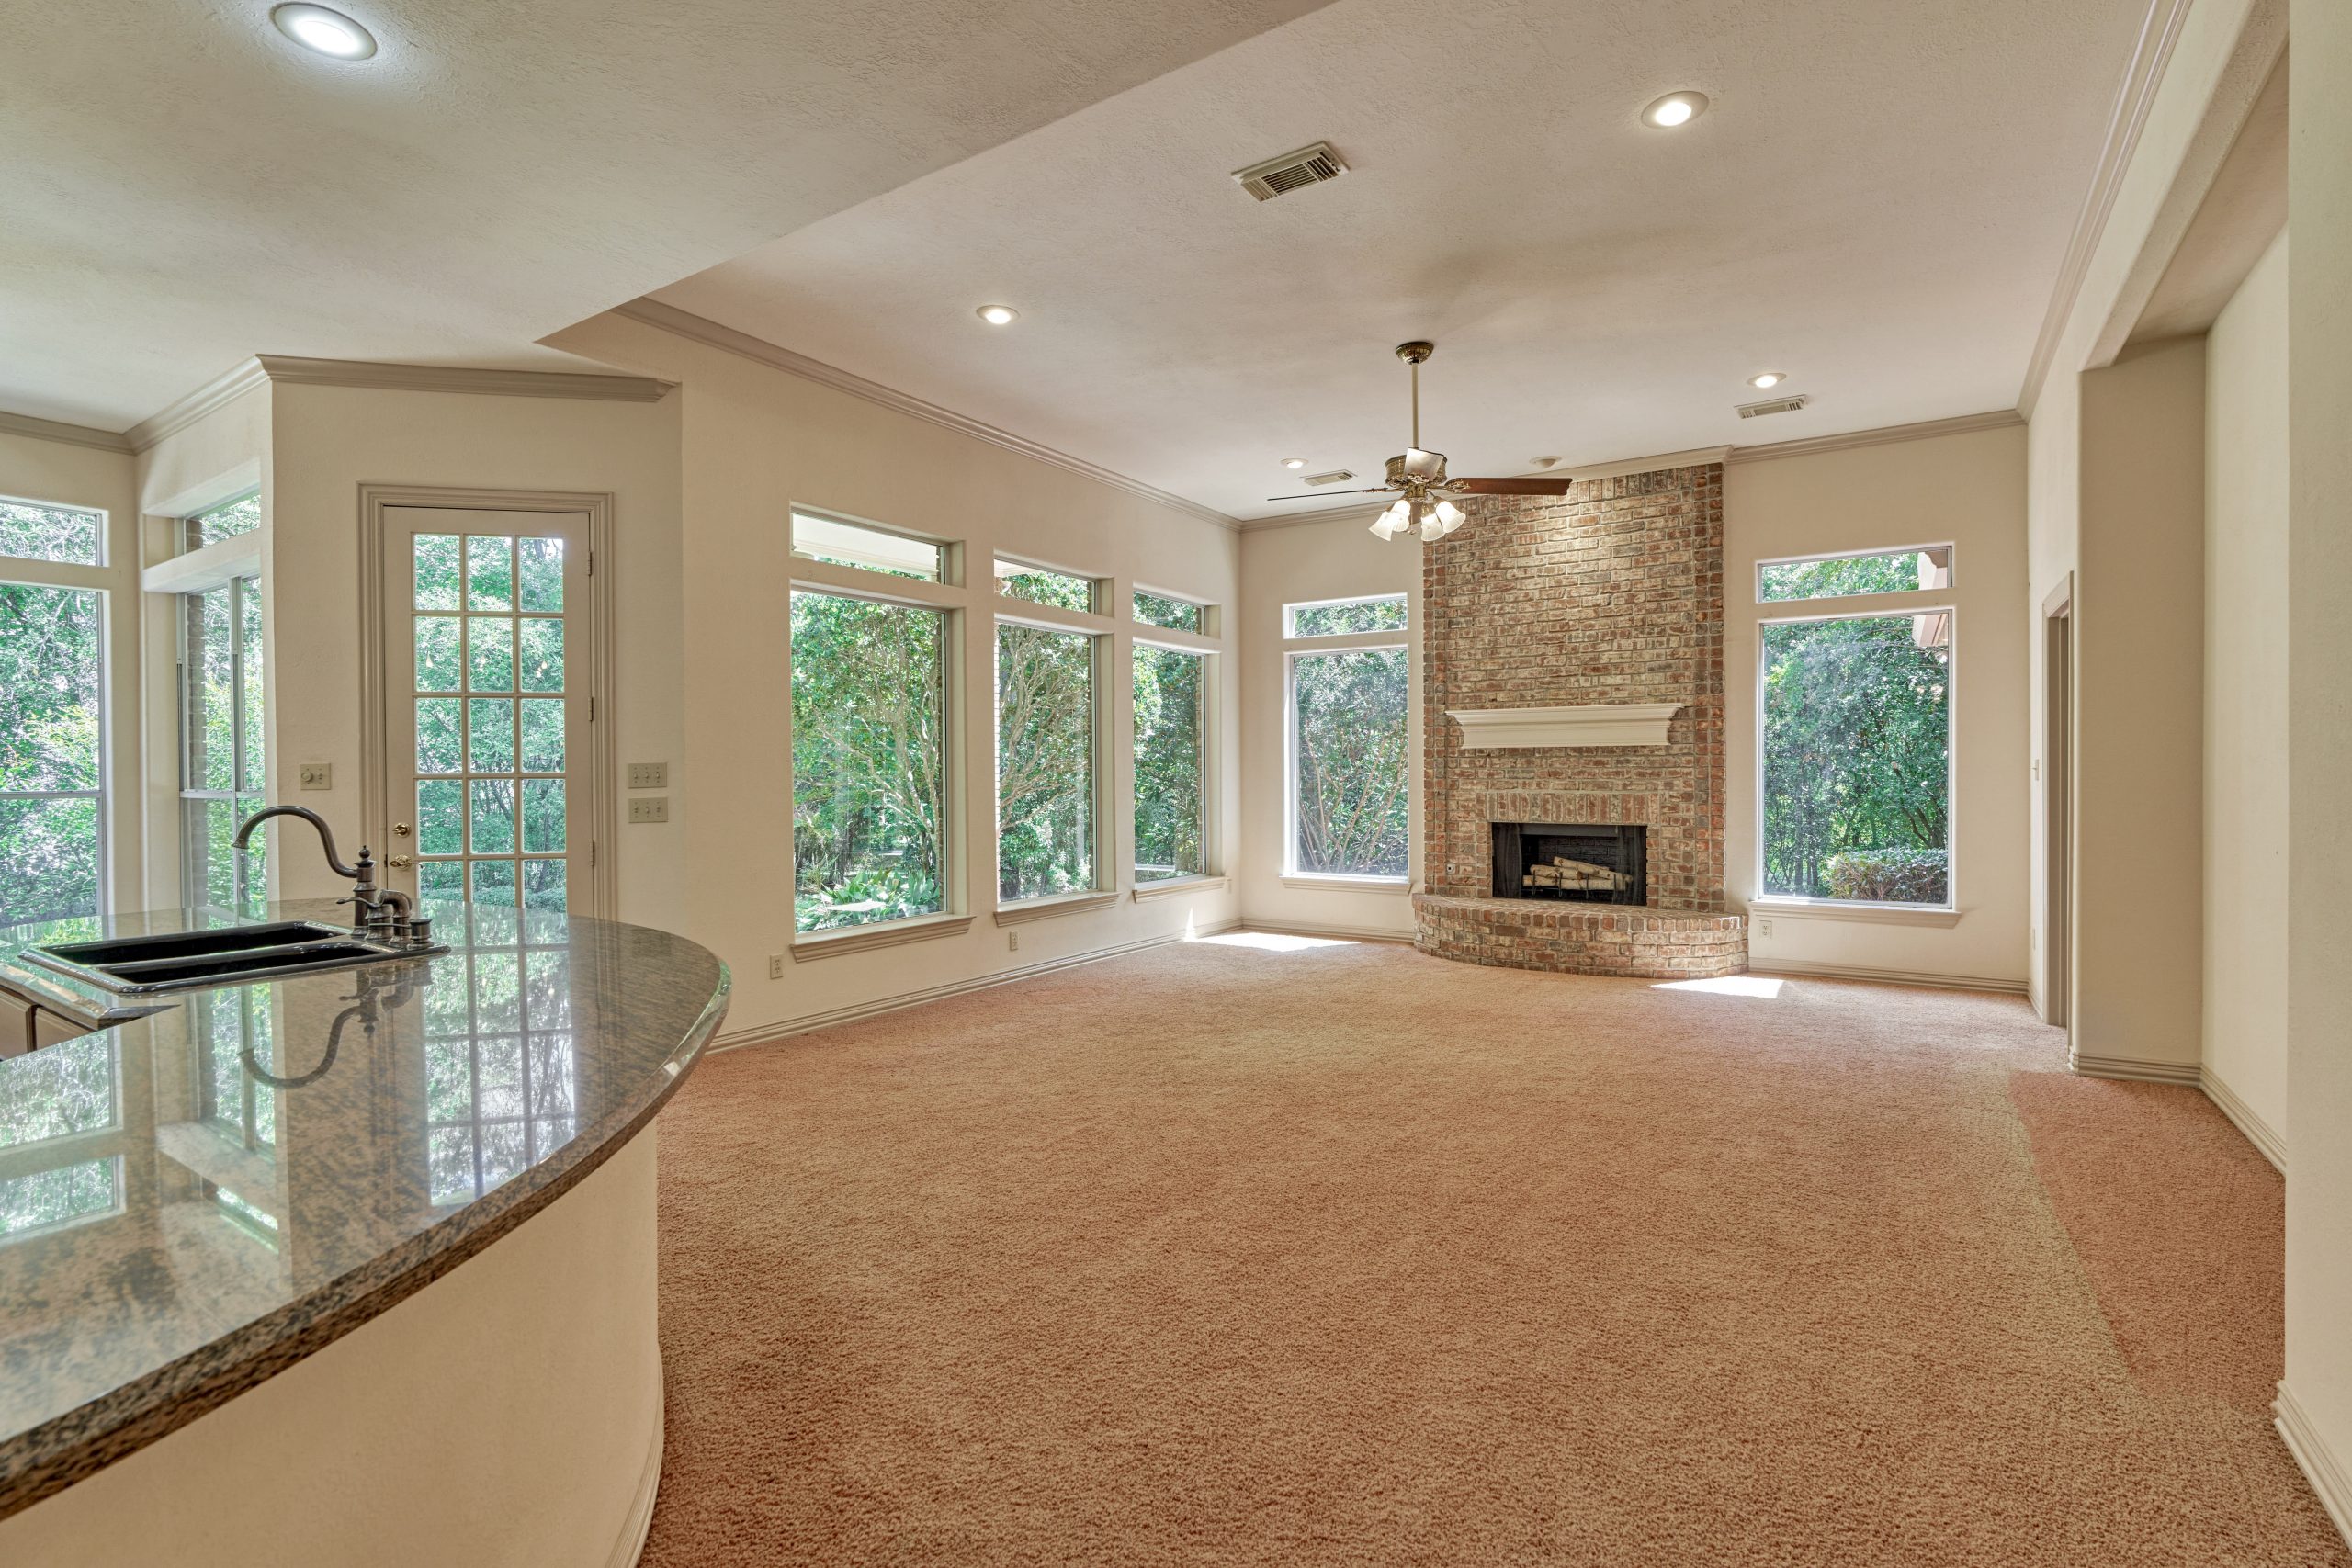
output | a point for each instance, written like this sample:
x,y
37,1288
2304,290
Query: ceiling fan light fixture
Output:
x,y
1393,521
1674,110
1448,514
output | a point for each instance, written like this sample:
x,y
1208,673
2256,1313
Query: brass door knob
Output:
x,y
398,863
400,829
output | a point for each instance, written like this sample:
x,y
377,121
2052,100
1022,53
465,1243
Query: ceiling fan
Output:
x,y
1424,495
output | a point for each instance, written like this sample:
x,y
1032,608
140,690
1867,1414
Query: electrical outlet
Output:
x,y
317,775
649,775
1012,941
775,965
1763,928
653,808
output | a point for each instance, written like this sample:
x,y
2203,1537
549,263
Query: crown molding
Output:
x,y
1927,430
54,430
175,417
2134,96
654,313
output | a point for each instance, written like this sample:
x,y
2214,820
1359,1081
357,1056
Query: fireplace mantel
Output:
x,y
1599,724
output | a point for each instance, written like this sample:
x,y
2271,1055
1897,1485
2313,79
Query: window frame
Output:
x,y
1210,614
1103,792
100,582
105,533
1952,570
1097,588
1897,604
951,551
1291,607
1211,862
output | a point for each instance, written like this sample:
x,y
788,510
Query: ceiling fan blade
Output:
x,y
1511,487
1317,495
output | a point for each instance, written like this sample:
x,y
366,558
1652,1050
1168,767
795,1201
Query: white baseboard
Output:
x,y
2330,1480
1349,933
2131,1069
2260,1133
1801,968
631,1546
764,1033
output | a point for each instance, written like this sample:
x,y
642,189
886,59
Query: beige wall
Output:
x,y
757,440
2316,1396
2245,694
1296,563
1967,490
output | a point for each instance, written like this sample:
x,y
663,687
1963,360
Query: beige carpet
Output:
x,y
1344,1255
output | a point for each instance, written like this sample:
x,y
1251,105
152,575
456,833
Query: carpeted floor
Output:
x,y
1341,1255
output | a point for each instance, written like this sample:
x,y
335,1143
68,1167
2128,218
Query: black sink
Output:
x,y
179,960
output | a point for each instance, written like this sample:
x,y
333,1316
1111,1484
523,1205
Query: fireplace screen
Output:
x,y
1582,862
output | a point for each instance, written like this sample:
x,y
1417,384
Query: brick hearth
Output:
x,y
1611,594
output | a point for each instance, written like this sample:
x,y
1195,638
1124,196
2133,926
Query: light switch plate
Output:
x,y
649,775
318,776
649,808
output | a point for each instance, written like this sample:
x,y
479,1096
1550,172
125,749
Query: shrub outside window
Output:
x,y
1340,618
1349,805
1040,586
1171,755
1046,749
1176,614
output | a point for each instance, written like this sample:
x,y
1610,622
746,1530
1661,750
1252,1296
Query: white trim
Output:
x,y
1597,724
856,583
1022,911
176,416
585,386
1804,969
1868,914
209,568
2134,1069
654,313
1316,882
2267,1140
2134,96
1883,436
1344,933
768,1034
630,1547
2331,1482
840,940
1170,887
57,430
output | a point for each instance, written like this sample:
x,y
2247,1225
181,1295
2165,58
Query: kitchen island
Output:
x,y
345,1267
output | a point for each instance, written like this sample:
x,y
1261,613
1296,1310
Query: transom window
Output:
x,y
839,542
1923,567
1042,585
1176,614
39,530
1341,617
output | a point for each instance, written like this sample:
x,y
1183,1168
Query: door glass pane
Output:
x,y
543,885
489,653
493,881
493,816
441,880
489,572
438,663
436,572
542,660
542,574
439,745
490,735
440,816
543,817
543,734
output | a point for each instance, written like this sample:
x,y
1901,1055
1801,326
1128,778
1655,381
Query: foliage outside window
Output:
x,y
1176,614
222,746
225,521
1172,781
869,761
1338,618
1347,768
1044,762
58,1092
51,715
1886,572
838,543
61,1195
1857,739
31,530
1039,586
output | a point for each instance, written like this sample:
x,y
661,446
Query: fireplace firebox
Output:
x,y
1580,863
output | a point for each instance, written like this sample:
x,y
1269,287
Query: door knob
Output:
x,y
400,829
398,863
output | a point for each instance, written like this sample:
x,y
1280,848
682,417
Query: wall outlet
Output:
x,y
317,775
775,965
655,809
1763,928
649,775
1012,941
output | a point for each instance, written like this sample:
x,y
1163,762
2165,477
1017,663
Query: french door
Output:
x,y
489,785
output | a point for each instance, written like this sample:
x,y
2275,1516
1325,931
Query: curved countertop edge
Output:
x,y
49,1458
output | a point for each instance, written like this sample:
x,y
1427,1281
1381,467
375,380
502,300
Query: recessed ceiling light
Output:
x,y
998,315
1769,379
1675,109
1293,462
326,32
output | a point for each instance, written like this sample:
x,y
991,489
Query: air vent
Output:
x,y
1334,477
1773,405
1279,176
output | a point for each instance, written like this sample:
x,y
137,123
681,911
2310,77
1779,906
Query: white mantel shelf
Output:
x,y
1601,724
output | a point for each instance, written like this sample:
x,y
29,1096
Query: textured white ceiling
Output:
x,y
1877,203
181,187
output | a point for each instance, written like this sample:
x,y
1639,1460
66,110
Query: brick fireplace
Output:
x,y
1610,596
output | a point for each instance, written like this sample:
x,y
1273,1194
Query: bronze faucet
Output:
x,y
383,913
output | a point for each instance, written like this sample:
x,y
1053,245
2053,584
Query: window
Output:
x,y
839,542
1857,757
221,744
225,521
1348,763
1044,762
1338,617
1831,576
1176,614
1171,755
1040,586
32,530
53,712
869,761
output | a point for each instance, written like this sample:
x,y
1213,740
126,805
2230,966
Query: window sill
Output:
x,y
883,933
1348,884
1167,887
1045,908
1867,914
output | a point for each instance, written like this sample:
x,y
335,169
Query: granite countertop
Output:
x,y
175,1227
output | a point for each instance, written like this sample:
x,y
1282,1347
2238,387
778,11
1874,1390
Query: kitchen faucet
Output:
x,y
383,913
